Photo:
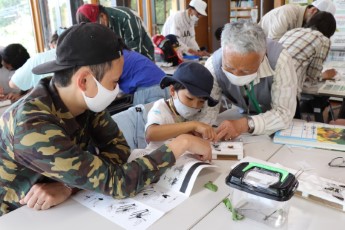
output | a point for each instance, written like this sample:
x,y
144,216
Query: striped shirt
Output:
x,y
129,26
283,94
182,26
282,19
308,49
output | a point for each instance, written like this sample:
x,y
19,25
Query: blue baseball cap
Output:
x,y
196,78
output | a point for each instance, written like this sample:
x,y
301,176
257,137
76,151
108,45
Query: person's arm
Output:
x,y
54,154
314,70
12,85
157,132
278,22
284,98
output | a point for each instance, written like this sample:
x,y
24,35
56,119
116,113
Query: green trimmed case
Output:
x,y
263,180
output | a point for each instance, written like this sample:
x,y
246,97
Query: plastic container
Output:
x,y
262,193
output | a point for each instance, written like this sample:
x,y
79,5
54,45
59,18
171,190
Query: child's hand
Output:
x,y
206,131
195,145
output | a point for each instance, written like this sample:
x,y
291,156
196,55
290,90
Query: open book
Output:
x,y
141,211
312,134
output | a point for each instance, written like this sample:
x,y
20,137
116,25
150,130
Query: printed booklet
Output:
x,y
141,211
312,134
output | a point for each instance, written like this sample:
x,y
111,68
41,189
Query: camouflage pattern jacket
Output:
x,y
41,141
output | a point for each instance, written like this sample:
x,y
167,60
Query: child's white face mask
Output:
x,y
185,111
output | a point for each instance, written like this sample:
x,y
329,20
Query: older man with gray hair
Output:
x,y
257,75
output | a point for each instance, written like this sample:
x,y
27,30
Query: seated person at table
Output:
x,y
23,78
13,57
166,50
309,47
59,136
5,76
256,75
141,77
190,88
182,25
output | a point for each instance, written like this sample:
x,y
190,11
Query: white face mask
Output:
x,y
103,98
240,80
194,18
184,111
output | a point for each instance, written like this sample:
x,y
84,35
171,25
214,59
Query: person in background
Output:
x,y
140,75
190,88
13,57
290,16
23,78
218,33
124,22
53,40
141,78
55,130
182,25
5,75
165,51
255,74
176,45
309,46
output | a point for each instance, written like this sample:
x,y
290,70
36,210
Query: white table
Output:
x,y
304,215
310,158
72,215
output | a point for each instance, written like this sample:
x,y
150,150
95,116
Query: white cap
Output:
x,y
325,5
199,6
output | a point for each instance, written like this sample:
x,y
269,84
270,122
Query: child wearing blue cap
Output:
x,y
190,88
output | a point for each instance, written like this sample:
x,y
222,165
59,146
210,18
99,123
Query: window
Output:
x,y
16,24
56,15
128,3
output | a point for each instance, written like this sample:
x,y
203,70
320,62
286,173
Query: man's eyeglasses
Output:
x,y
337,162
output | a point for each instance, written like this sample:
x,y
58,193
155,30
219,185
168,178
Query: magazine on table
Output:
x,y
312,134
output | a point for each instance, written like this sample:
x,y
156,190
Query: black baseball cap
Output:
x,y
173,39
82,45
196,78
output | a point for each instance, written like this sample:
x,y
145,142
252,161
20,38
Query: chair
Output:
x,y
132,124
120,104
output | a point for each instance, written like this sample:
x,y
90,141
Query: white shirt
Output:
x,y
282,19
159,114
181,26
5,77
283,94
24,79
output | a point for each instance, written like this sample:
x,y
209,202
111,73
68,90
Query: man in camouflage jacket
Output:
x,y
58,137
